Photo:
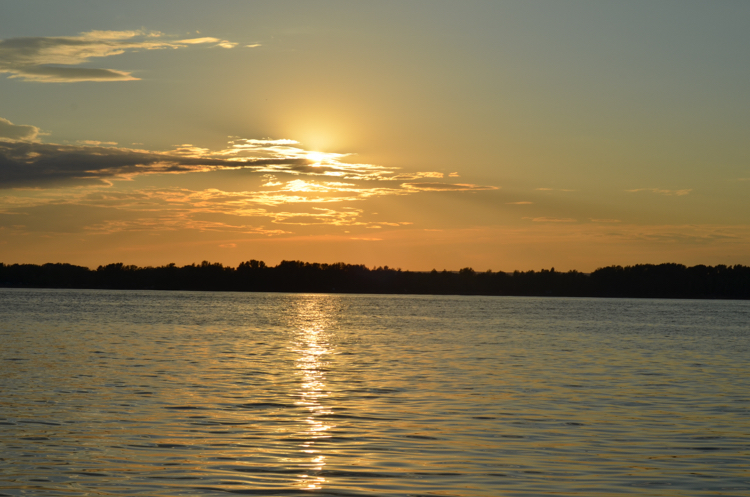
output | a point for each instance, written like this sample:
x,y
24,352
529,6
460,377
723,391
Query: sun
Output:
x,y
316,157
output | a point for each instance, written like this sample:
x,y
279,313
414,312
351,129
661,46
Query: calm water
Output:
x,y
188,393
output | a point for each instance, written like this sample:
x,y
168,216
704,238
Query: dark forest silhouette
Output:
x,y
642,280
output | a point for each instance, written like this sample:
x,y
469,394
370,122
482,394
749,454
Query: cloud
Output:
x,y
523,202
194,41
47,74
177,208
25,164
95,142
10,131
319,215
57,59
661,191
176,222
300,185
33,164
428,174
682,234
551,219
294,186
36,164
445,187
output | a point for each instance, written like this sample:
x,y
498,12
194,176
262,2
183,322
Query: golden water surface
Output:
x,y
190,393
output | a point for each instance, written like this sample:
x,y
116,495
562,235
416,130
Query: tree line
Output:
x,y
642,280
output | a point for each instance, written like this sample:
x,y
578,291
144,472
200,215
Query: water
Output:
x,y
190,393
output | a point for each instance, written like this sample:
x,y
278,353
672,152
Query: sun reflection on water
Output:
x,y
312,323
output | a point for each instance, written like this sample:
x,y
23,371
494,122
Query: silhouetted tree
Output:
x,y
642,280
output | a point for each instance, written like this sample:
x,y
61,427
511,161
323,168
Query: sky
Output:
x,y
497,135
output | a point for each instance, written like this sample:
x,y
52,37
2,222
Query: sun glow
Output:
x,y
316,157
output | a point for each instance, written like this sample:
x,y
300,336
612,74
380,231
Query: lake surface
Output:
x,y
191,393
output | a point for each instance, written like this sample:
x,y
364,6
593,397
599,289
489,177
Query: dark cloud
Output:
x,y
30,164
24,164
12,131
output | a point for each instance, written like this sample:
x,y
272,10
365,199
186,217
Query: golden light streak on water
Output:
x,y
311,345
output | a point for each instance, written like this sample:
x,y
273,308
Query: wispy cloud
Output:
x,y
177,208
176,222
523,202
57,59
446,187
244,203
95,142
662,191
551,219
682,234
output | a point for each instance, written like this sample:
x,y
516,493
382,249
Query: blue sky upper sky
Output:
x,y
499,135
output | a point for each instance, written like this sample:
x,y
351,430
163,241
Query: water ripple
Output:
x,y
189,393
